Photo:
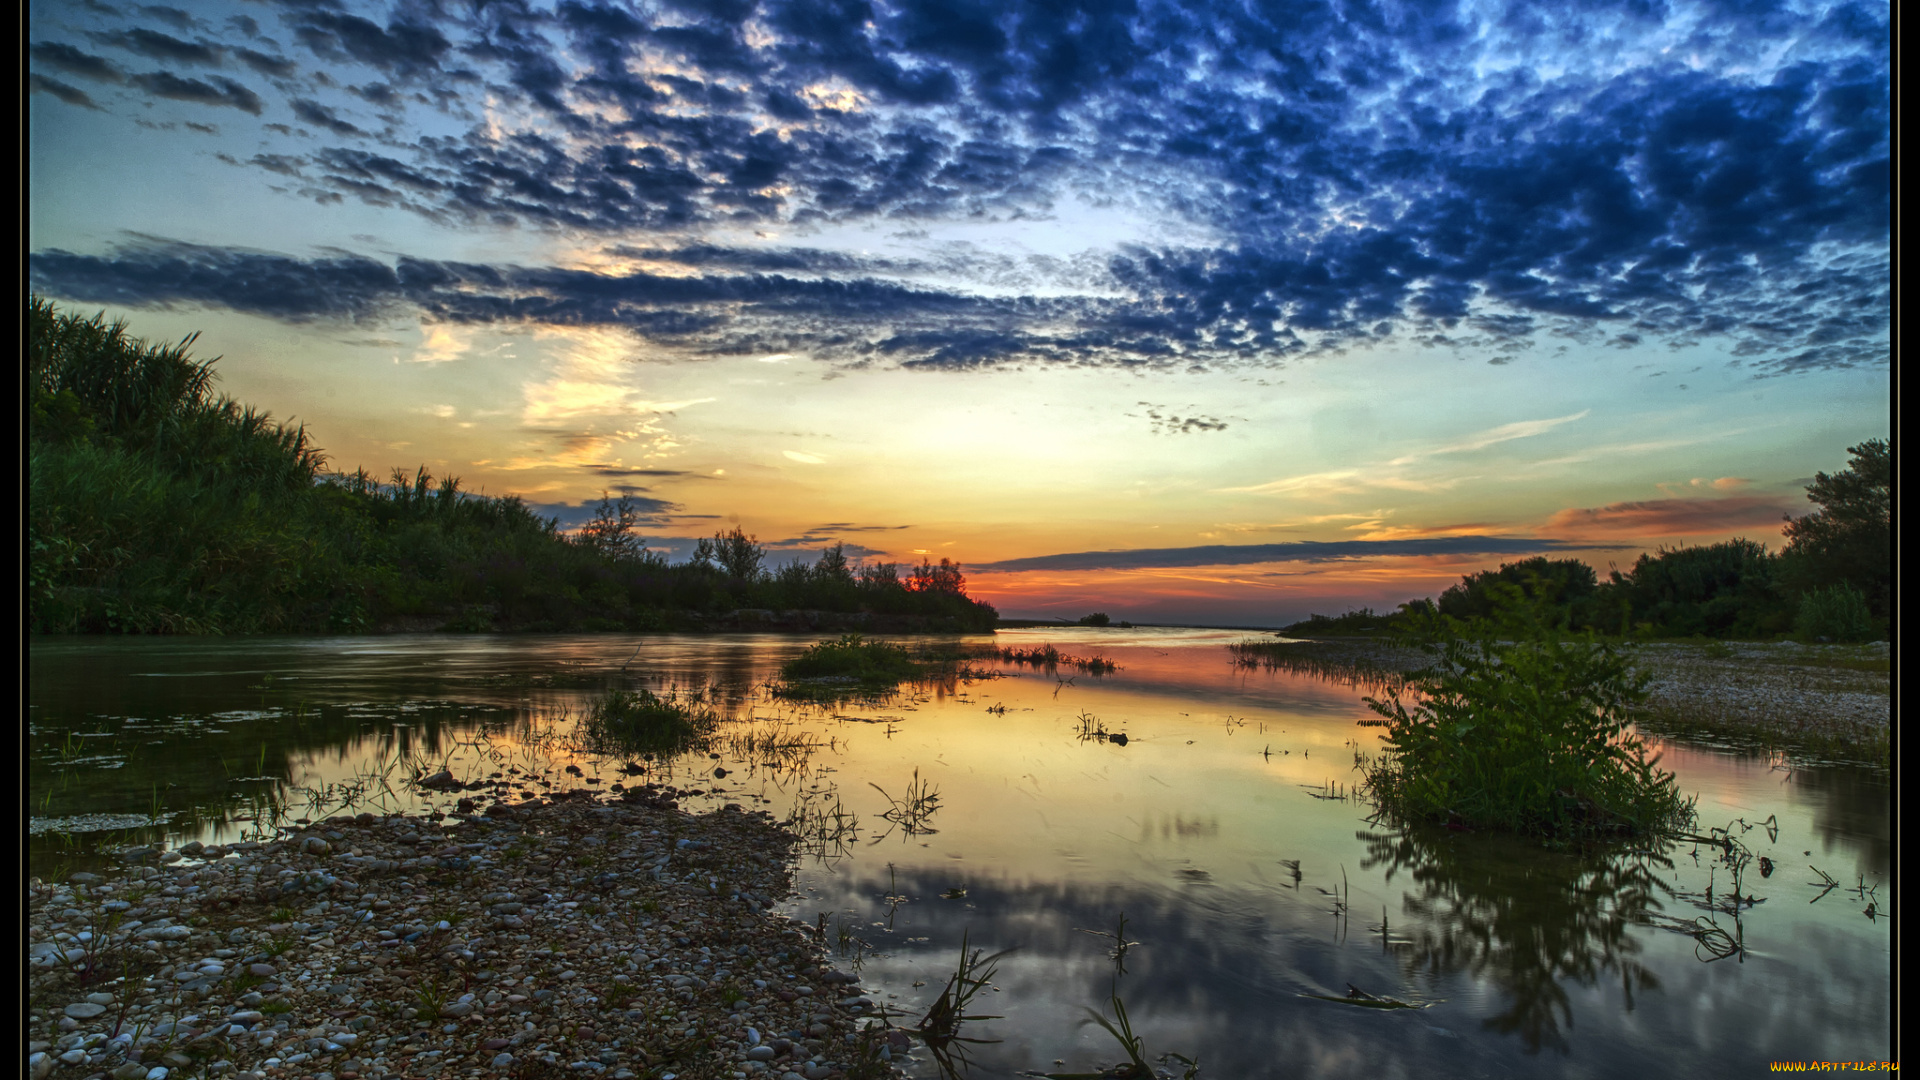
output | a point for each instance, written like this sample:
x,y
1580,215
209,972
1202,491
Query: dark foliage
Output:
x,y
1849,540
157,507
1837,568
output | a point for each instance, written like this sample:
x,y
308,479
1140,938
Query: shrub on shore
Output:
x,y
1838,614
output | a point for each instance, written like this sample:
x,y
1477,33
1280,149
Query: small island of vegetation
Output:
x,y
159,507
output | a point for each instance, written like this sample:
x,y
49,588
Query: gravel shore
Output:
x,y
618,938
1823,701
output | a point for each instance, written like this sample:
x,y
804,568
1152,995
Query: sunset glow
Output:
x,y
1175,312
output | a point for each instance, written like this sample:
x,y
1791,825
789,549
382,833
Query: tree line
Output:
x,y
158,506
1831,581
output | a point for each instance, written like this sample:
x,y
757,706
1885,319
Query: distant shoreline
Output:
x,y
1818,703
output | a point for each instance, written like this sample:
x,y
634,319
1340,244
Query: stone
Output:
x,y
501,1061
85,1010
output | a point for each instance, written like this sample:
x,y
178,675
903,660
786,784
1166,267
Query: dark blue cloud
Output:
x,y
214,90
165,47
72,95
1296,551
1376,168
65,58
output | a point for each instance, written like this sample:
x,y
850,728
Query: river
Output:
x,y
1259,895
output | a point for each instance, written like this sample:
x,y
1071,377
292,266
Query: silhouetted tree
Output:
x,y
611,532
944,580
1849,540
833,564
734,552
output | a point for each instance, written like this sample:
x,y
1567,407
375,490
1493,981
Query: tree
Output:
x,y
611,531
1561,583
735,552
833,564
1849,540
944,579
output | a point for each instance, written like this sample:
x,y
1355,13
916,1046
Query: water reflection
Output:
x,y
1532,923
1222,827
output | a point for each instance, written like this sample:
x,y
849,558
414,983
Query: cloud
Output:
x,y
1668,174
818,540
1169,423
804,459
216,90
653,513
619,470
157,46
1669,517
72,95
1520,429
66,58
1295,551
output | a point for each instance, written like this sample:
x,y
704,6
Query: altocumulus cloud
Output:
x,y
1465,174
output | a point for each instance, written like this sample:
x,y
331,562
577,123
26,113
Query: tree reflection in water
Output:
x,y
1530,921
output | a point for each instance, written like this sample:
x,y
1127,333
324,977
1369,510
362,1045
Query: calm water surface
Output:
x,y
1220,829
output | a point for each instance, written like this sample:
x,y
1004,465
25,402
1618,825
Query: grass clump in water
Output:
x,y
640,721
851,659
1522,732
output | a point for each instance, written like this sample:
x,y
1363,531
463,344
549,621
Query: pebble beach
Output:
x,y
581,936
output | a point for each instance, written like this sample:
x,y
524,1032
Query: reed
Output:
x,y
1050,658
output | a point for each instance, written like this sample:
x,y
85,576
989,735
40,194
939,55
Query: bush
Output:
x,y
1528,735
1836,614
1098,618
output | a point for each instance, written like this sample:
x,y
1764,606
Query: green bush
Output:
x,y
1527,735
1836,614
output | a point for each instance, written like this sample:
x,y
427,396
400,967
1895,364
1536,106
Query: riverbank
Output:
x,y
621,938
1815,702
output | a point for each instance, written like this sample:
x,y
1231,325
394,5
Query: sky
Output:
x,y
1210,312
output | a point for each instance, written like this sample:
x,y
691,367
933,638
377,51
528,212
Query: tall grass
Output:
x,y
1523,732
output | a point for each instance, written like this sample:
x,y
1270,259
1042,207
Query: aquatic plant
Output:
x,y
852,657
1049,657
1529,735
940,1027
848,666
915,808
640,721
